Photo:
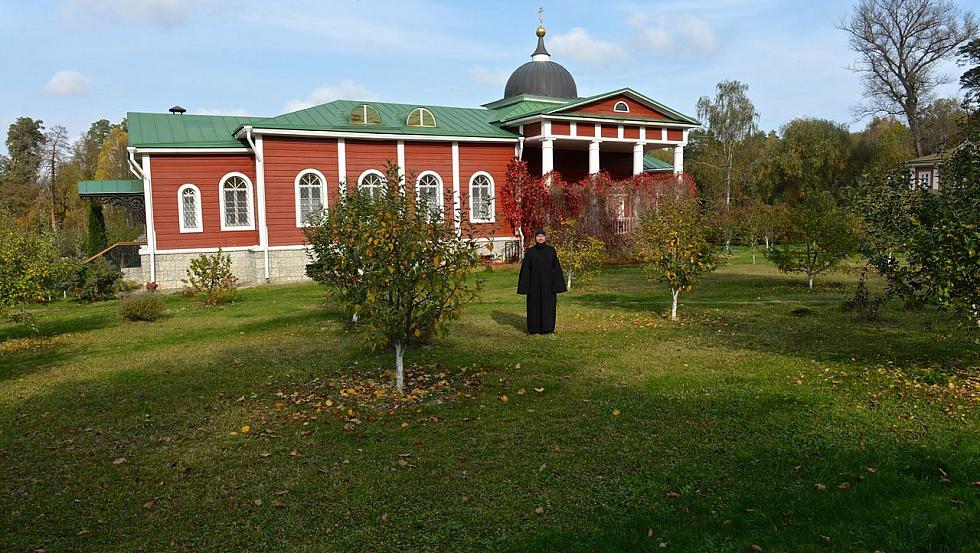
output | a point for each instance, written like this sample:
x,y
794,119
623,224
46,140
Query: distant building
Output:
x,y
925,171
248,184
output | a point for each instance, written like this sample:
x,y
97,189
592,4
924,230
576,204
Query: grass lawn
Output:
x,y
766,417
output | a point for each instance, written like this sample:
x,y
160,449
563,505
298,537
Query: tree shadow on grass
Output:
x,y
512,320
49,325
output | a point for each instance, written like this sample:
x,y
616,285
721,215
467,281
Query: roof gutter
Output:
x,y
250,138
134,167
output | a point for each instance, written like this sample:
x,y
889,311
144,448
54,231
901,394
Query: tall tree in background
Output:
x,y
942,122
113,158
19,172
89,146
900,45
970,82
883,145
730,118
55,151
811,156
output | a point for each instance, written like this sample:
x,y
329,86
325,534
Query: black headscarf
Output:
x,y
540,231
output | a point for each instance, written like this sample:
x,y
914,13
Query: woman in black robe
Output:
x,y
541,280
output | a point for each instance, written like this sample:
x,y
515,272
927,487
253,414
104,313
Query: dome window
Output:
x,y
421,117
621,107
365,114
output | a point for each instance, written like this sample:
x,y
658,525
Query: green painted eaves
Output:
x,y
111,186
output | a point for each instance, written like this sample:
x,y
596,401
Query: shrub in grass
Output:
x,y
96,281
864,306
146,306
211,277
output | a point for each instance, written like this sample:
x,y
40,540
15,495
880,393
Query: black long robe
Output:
x,y
541,280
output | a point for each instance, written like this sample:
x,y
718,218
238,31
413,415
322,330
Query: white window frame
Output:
x,y
440,193
250,202
360,179
924,178
623,104
422,113
300,222
197,209
493,198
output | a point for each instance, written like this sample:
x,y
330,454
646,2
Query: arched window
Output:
x,y
372,183
365,114
236,202
311,195
421,117
481,198
189,208
621,107
428,190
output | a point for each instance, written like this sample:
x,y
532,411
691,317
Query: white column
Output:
x,y
547,156
457,200
638,158
260,199
151,233
593,157
678,159
342,165
401,165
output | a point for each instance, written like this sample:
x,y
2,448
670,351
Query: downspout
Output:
x,y
256,146
520,148
134,167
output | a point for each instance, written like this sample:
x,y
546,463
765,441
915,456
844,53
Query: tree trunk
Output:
x,y
54,189
809,279
400,366
520,251
568,281
673,309
753,257
353,318
914,127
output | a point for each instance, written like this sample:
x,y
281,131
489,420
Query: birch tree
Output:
x,y
675,246
900,46
730,118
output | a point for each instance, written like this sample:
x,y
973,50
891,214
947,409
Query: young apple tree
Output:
x,y
387,259
675,245
581,256
819,236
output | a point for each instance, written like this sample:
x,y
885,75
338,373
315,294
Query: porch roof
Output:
x,y
109,186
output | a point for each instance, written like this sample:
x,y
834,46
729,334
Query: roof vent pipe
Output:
x,y
177,110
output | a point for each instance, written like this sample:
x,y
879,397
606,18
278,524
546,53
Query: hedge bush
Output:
x,y
145,306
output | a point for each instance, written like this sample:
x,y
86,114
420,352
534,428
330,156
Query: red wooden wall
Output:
x,y
169,172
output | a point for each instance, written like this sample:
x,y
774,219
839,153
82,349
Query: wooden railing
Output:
x,y
124,255
625,225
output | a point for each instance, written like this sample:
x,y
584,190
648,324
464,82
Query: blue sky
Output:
x,y
71,62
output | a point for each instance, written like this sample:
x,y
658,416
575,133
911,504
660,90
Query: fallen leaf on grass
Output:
x,y
843,486
673,494
520,392
539,390
539,510
542,467
819,487
615,412
245,429
957,502
118,460
503,399
149,504
385,517
872,470
265,454
257,502
755,547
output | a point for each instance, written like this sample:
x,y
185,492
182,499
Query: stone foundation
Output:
x,y
248,266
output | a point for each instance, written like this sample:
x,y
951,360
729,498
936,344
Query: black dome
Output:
x,y
541,78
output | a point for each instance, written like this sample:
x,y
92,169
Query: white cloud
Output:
x,y
346,90
698,35
579,46
676,36
241,112
67,82
482,76
163,13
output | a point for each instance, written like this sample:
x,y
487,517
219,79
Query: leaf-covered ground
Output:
x,y
269,425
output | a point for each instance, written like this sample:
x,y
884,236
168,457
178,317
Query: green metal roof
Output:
x,y
651,163
114,186
216,131
164,130
335,116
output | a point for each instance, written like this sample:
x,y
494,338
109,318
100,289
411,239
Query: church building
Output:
x,y
248,184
